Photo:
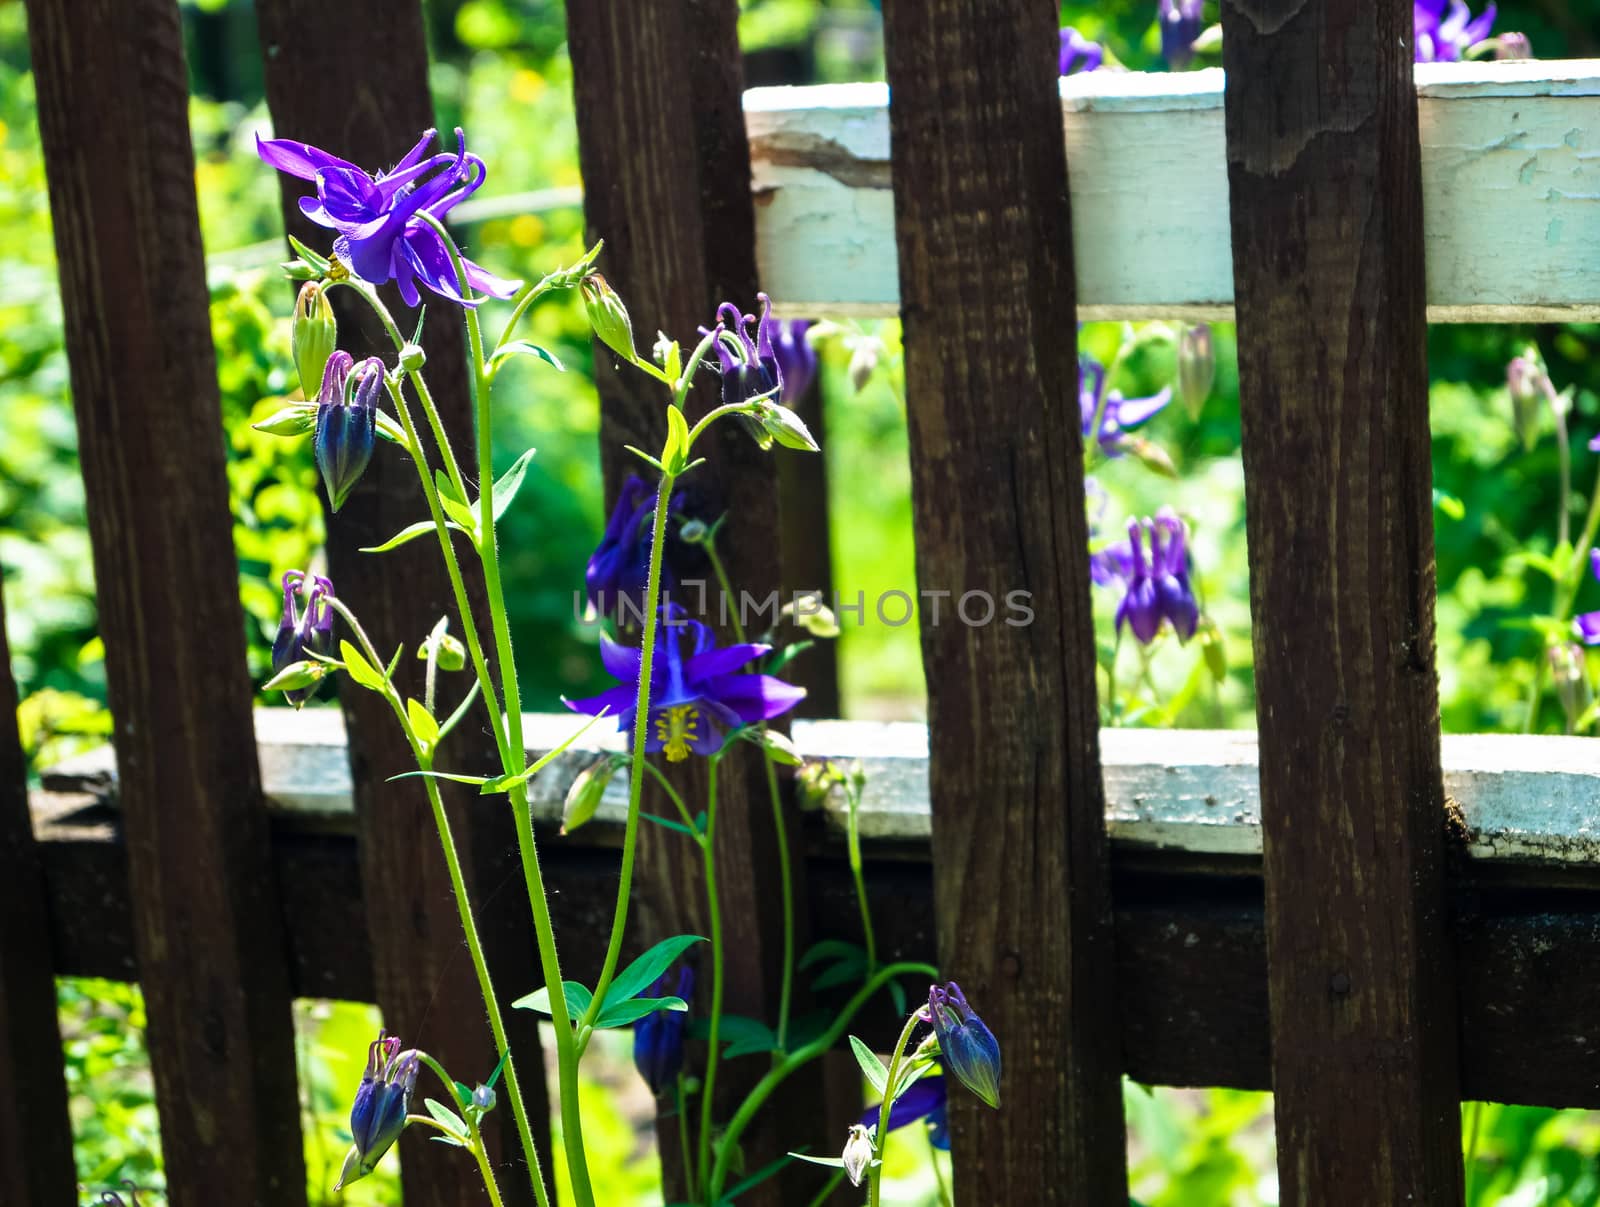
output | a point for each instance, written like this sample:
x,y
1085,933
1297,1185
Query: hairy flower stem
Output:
x,y
780,830
708,847
473,1131
881,1136
797,1059
1566,596
469,925
853,835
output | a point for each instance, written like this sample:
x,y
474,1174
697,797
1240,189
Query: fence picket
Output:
x,y
114,122
1323,167
666,166
425,983
35,1133
1021,872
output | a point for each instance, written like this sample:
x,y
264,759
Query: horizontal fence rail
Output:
x,y
1510,183
1191,955
1528,805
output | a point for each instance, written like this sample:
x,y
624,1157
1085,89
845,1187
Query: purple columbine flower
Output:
x,y
927,1099
1078,53
1120,414
658,1037
1446,30
1155,588
1587,624
697,690
969,1048
1181,24
619,570
347,422
379,1114
306,628
380,234
797,359
750,367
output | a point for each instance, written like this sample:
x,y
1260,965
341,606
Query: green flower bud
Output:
x,y
857,1154
296,419
1197,367
412,358
812,615
314,336
608,316
784,426
587,791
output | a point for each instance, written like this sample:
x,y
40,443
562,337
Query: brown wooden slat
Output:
x,y
666,168
1020,852
35,1133
1323,168
114,121
426,986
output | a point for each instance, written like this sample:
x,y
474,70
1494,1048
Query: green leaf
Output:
x,y
758,1177
643,972
832,949
409,533
877,1076
522,347
676,450
666,823
577,995
897,995
463,1094
506,488
645,457
841,973
360,670
475,780
422,722
787,655
623,1014
504,783
830,1162
447,1118
390,429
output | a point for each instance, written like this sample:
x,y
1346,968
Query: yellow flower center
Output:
x,y
675,729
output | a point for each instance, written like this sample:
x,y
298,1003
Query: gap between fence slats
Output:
x,y
114,124
1020,855
426,986
1324,174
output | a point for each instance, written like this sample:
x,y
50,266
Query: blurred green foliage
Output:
x,y
501,70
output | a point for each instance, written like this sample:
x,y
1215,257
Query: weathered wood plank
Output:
x,y
114,123
665,163
426,987
1021,860
1324,177
1191,980
35,1132
1507,159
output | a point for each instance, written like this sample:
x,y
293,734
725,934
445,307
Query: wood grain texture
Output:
x,y
1507,157
1021,863
114,124
666,174
425,979
1324,173
35,1133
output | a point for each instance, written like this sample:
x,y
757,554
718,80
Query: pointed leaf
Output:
x,y
829,949
422,722
626,1013
360,670
666,823
643,972
522,347
506,488
409,533
877,1076
447,1118
578,998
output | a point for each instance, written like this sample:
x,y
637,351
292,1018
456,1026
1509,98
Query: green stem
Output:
x,y
780,829
718,972
938,1173
675,796
853,834
881,1136
473,1131
800,1057
641,719
515,752
1566,596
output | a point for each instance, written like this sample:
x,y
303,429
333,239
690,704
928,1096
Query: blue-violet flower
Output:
x,y
1180,26
1157,588
347,423
1078,53
658,1037
969,1048
1120,414
1447,37
306,628
379,1114
619,570
927,1099
1587,624
697,689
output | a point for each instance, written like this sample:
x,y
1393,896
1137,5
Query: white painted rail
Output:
x,y
1526,800
1511,193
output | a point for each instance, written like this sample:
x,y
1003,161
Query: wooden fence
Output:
x,y
1340,951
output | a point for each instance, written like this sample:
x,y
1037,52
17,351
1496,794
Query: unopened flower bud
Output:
x,y
448,653
970,1049
305,631
784,426
608,316
483,1098
863,363
347,423
379,1114
587,791
1197,367
694,532
1529,385
313,336
1513,46
812,615
413,358
858,1154
1569,672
